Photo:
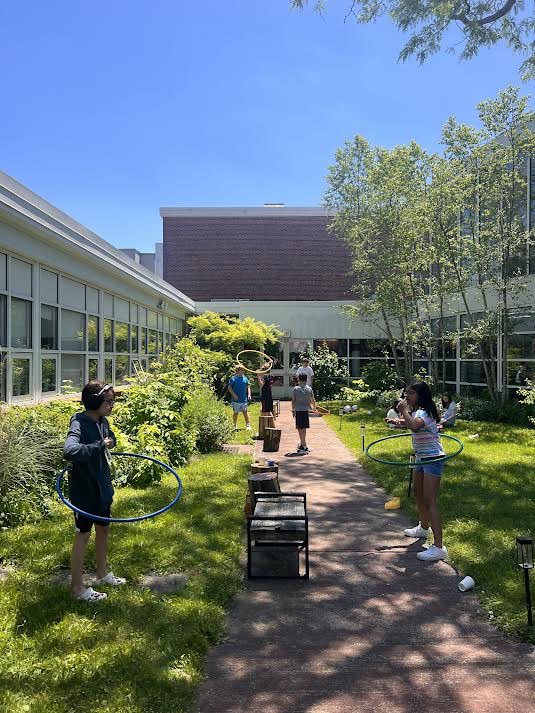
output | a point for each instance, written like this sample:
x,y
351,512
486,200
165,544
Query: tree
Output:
x,y
481,24
330,376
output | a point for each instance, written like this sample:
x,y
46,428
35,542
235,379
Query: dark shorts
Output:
x,y
84,524
301,419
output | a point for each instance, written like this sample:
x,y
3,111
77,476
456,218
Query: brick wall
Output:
x,y
256,258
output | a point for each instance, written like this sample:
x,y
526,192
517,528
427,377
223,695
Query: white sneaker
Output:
x,y
433,554
248,427
235,429
417,531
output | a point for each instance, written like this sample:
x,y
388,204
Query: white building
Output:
x,y
73,307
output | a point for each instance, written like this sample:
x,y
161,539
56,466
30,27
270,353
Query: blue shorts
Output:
x,y
239,406
435,469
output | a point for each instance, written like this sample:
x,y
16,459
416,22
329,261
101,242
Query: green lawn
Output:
x,y
136,652
488,497
243,436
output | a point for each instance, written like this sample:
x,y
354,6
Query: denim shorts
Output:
x,y
239,406
435,469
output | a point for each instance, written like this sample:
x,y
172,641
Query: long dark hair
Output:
x,y
448,395
425,399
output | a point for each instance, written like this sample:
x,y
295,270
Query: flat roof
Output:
x,y
19,204
266,211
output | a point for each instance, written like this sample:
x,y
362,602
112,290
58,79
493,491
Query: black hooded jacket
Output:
x,y
90,486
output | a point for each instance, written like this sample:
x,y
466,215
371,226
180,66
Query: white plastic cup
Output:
x,y
466,584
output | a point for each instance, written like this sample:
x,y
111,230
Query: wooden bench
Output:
x,y
277,533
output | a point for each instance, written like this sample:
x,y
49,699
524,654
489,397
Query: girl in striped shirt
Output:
x,y
420,414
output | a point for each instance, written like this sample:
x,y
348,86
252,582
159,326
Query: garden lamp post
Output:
x,y
524,554
363,436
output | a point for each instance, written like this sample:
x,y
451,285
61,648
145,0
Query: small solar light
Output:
x,y
340,413
363,435
524,555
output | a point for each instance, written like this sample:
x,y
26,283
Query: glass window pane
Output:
x,y
181,329
72,293
173,325
521,346
472,371
519,372
122,310
21,277
92,299
143,316
93,370
3,377
3,320
160,320
169,340
152,319
121,369
108,335
152,341
166,323
93,335
143,340
446,370
160,342
21,377
339,346
48,375
108,371
3,271
21,324
108,305
72,373
134,339
133,313
121,337
72,331
48,290
49,327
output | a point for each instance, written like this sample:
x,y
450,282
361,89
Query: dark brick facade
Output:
x,y
256,258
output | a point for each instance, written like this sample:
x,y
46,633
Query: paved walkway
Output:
x,y
373,629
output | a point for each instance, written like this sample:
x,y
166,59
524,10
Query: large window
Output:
x,y
121,369
121,337
72,372
20,375
152,341
339,346
108,335
134,345
108,371
48,375
49,327
3,321
92,374
93,334
21,324
72,331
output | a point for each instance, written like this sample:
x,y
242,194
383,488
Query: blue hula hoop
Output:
x,y
438,459
100,518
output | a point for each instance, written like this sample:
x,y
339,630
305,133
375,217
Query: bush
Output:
x,y
385,398
329,374
380,376
27,466
478,409
208,418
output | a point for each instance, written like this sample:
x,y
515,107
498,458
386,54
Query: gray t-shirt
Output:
x,y
302,398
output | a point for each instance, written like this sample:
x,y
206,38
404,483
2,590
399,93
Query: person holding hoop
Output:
x,y
90,485
265,382
420,415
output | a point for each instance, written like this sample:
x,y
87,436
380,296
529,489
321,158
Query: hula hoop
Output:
x,y
320,411
100,518
254,371
438,459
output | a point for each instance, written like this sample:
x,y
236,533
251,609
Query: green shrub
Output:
x,y
478,409
208,418
385,398
329,373
27,467
380,376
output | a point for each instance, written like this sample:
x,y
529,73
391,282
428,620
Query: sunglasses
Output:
x,y
108,401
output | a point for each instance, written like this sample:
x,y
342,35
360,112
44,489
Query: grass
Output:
x,y
487,499
137,651
243,436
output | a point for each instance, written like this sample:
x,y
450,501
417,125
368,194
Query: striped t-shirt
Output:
x,y
426,442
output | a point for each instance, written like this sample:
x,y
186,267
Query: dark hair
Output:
x,y
446,393
302,377
425,399
395,404
90,394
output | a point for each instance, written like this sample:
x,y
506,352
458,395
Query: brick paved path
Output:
x,y
373,629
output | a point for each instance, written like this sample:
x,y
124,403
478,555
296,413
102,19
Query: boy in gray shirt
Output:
x,y
302,400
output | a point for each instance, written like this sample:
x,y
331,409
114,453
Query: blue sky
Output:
x,y
111,109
